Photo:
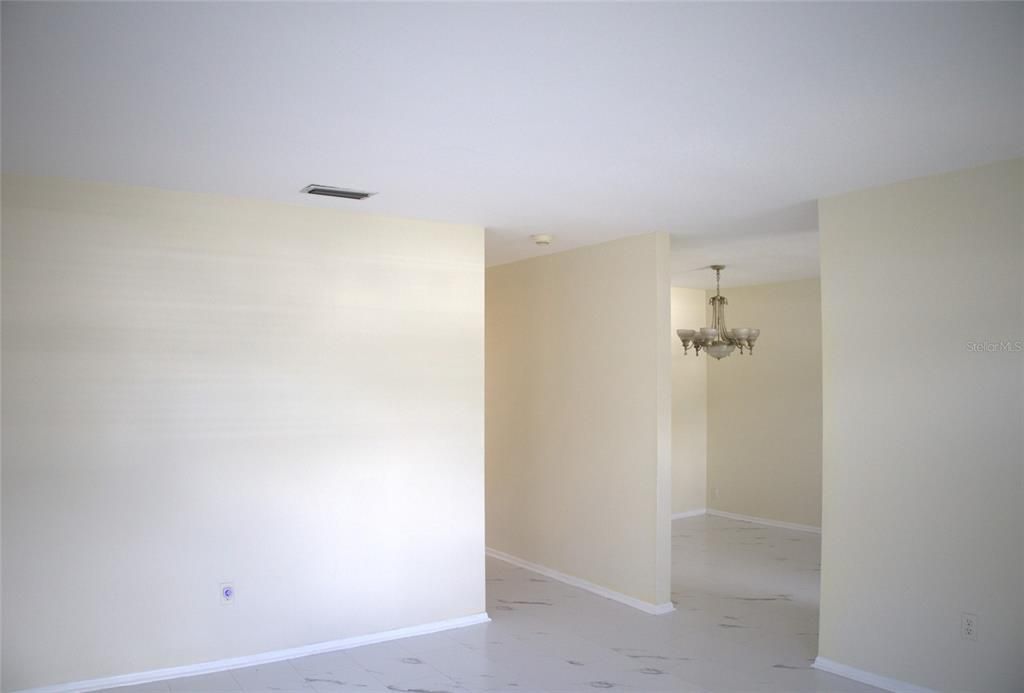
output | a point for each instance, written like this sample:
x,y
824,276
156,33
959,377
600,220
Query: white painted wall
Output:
x,y
924,434
201,389
579,414
689,406
764,410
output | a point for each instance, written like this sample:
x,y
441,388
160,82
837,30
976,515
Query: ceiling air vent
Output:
x,y
337,192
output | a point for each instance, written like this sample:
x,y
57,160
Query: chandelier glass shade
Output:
x,y
718,340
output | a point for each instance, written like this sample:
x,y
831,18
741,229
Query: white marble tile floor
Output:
x,y
746,619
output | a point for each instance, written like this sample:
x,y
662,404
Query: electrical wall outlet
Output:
x,y
227,593
968,626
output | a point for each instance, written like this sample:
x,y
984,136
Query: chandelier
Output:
x,y
718,340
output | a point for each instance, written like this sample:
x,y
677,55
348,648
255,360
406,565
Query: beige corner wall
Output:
x,y
924,433
764,410
200,390
689,406
578,414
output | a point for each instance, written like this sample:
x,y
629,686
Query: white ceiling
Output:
x,y
773,247
720,123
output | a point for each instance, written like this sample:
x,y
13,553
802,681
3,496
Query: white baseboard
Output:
x,y
764,521
262,658
646,607
689,513
883,682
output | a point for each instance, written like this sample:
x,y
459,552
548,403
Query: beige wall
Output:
x,y
578,414
689,406
764,410
924,451
200,390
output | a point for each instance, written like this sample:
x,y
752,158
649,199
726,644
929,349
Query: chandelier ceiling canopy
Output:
x,y
718,340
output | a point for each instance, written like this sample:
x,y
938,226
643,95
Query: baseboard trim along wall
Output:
x,y
689,513
764,521
646,607
883,682
262,658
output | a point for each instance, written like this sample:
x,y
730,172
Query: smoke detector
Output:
x,y
329,191
542,239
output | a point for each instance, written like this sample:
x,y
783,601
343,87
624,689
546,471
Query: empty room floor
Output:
x,y
746,619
